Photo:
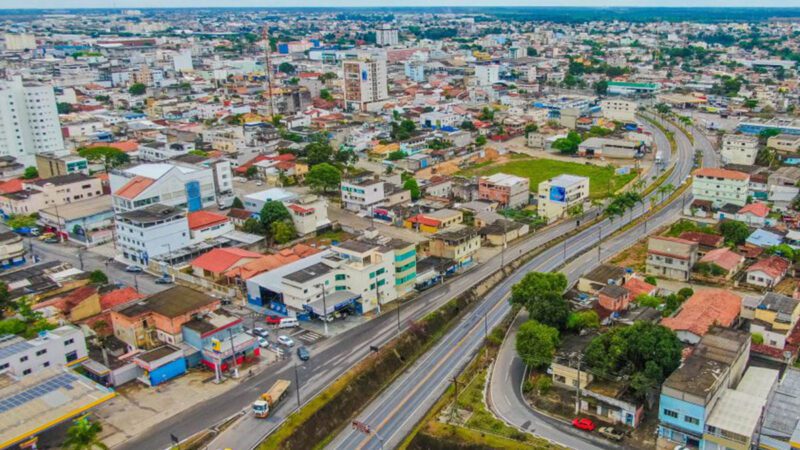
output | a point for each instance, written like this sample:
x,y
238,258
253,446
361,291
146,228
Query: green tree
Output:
x,y
581,320
396,155
84,435
480,141
467,125
663,109
531,128
568,145
253,226
273,211
534,285
650,301
110,157
19,221
318,153
601,87
286,68
251,172
735,232
137,89
651,280
645,352
237,203
757,338
30,173
98,277
412,185
6,304
63,108
487,114
550,309
323,177
326,95
768,133
536,343
282,232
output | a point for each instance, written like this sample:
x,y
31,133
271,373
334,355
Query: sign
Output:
x,y
558,194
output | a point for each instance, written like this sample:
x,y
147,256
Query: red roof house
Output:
x,y
702,310
214,263
726,259
768,272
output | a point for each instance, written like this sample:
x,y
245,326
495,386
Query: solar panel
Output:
x,y
53,384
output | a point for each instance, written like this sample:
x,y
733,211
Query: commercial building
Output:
x,y
50,164
387,35
785,143
88,222
670,257
739,149
12,250
626,88
720,186
28,120
755,125
54,349
51,192
459,244
597,147
365,84
151,231
618,109
363,193
487,75
557,195
508,190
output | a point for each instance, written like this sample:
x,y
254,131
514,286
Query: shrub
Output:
x,y
543,384
757,338
651,280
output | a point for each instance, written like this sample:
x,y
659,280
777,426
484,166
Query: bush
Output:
x,y
543,384
757,338
527,386
651,280
686,293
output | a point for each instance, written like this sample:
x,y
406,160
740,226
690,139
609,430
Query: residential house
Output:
x,y
56,191
671,258
767,272
214,264
12,250
727,260
614,298
434,221
703,309
502,231
362,193
775,317
601,276
739,149
309,214
720,186
459,244
754,214
266,263
785,143
787,176
508,191
780,424
764,238
705,242
151,232
205,225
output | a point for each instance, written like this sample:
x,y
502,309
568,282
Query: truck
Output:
x,y
659,158
267,401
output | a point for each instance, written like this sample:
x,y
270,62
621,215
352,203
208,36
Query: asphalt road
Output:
x,y
394,413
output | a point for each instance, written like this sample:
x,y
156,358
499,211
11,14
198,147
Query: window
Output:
x,y
691,420
41,352
670,413
47,364
26,372
23,359
4,366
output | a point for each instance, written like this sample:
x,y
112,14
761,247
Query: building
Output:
x,y
50,164
205,225
309,214
774,318
19,42
217,337
739,149
703,309
365,84
51,192
767,272
28,120
558,195
487,75
627,88
88,222
54,349
507,190
363,193
785,143
619,109
720,186
729,261
415,71
255,202
597,147
614,298
781,424
459,244
12,250
151,231
434,221
671,258
387,35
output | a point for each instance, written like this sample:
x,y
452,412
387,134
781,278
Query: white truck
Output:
x,y
267,401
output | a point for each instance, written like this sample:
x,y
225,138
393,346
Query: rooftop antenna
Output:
x,y
268,54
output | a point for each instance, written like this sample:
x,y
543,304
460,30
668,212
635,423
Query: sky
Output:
x,y
7,4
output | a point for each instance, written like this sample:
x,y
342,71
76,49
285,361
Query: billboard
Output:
x,y
558,194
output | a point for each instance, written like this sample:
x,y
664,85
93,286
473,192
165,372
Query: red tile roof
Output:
x,y
300,210
757,209
424,220
119,297
271,262
713,172
774,266
126,146
204,219
638,287
703,309
132,188
11,186
723,257
705,239
219,260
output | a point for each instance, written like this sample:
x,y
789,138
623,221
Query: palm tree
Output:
x,y
665,189
84,435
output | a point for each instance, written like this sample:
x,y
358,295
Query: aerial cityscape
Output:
x,y
419,226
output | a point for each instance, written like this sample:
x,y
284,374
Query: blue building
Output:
x,y
756,126
161,364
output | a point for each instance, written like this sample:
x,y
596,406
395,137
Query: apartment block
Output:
x,y
28,120
365,83
152,231
362,194
51,164
720,186
54,348
739,149
671,258
51,192
557,195
508,190
618,109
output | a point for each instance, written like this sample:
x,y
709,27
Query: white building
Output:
x,y
386,35
151,231
182,61
255,201
28,120
558,194
365,84
618,109
20,42
487,75
54,348
309,214
739,149
720,186
360,195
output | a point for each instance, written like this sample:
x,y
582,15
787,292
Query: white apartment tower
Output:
x,y
386,35
28,120
365,83
487,75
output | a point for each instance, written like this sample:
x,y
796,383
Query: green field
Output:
x,y
602,180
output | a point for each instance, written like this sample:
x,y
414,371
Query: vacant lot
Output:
x,y
602,179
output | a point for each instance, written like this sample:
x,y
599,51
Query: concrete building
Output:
x,y
12,250
627,88
28,120
720,186
56,191
774,318
365,84
508,190
309,214
19,42
50,164
459,244
781,424
671,258
739,149
362,194
387,35
785,143
487,75
557,195
415,71
54,348
618,109
151,231
88,222
597,147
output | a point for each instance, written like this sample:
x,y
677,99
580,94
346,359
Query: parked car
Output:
x,y
263,343
259,183
303,353
134,269
582,423
46,236
286,340
164,280
261,332
272,319
52,240
611,433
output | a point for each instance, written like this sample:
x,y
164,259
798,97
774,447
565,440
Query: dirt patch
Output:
x,y
634,257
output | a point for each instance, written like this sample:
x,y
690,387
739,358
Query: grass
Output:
x,y
603,181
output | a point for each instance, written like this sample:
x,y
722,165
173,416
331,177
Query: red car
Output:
x,y
273,319
583,424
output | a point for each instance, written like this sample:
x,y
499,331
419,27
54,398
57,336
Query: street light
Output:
x,y
324,307
297,382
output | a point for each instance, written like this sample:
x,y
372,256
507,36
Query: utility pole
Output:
x,y
297,383
234,365
324,308
455,400
398,315
503,250
268,55
80,258
578,388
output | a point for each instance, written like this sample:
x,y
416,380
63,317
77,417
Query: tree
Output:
x,y
286,68
467,125
531,128
5,300
323,177
663,109
534,285
137,89
601,87
580,320
651,280
735,232
30,173
412,185
237,203
63,108
282,232
480,141
273,211
326,95
17,221
550,309
650,301
645,352
251,172
253,226
396,155
536,343
568,145
98,277
318,153
84,435
110,157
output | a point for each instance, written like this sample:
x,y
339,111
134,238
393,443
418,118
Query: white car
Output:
x,y
263,343
261,332
286,340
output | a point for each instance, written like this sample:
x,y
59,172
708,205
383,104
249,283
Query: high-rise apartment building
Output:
x,y
364,83
386,35
28,120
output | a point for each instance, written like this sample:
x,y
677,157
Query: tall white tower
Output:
x,y
28,120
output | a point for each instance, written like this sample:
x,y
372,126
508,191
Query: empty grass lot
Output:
x,y
602,179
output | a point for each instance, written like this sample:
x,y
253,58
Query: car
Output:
x,y
263,343
261,332
286,340
272,319
582,423
303,353
164,280
46,236
52,240
259,183
134,269
611,433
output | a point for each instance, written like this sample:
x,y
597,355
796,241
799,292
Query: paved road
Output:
x,y
505,394
393,414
